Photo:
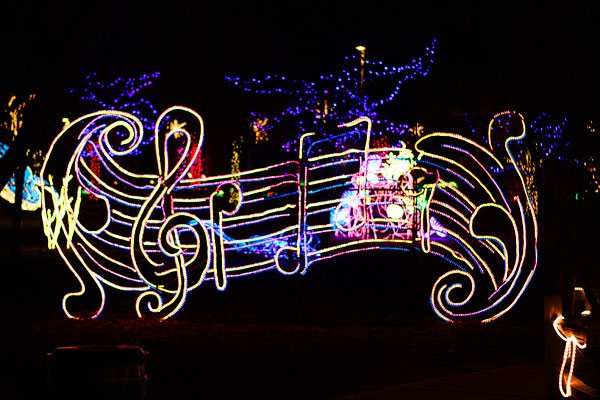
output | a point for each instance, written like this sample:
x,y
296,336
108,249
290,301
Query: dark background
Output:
x,y
530,57
527,56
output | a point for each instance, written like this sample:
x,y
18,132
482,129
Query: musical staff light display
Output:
x,y
160,231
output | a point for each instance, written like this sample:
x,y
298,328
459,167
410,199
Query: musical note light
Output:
x,y
163,231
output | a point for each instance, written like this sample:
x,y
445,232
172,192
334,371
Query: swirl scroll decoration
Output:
x,y
162,232
486,222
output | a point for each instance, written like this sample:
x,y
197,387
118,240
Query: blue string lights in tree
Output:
x,y
337,97
122,94
547,135
31,181
31,184
546,140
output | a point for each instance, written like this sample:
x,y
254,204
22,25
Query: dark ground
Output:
x,y
320,336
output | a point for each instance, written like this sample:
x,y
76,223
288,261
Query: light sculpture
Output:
x,y
572,343
163,232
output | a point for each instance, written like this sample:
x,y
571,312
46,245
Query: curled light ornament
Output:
x,y
160,231
477,199
571,346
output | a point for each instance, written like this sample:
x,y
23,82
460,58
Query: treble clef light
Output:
x,y
174,257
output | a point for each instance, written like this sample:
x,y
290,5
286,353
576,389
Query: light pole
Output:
x,y
362,50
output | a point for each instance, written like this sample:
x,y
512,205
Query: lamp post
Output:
x,y
362,50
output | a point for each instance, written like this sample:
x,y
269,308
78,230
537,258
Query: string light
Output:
x,y
31,187
571,346
166,231
336,97
518,266
122,94
14,109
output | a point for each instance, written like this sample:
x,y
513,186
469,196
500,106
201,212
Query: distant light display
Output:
x,y
127,94
589,161
572,343
235,155
547,135
258,127
31,183
14,109
31,187
547,139
381,202
122,94
337,97
162,233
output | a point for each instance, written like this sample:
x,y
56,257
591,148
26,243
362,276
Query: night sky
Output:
x,y
534,57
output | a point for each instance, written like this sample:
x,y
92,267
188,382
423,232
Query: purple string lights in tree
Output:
x,y
122,94
546,140
338,97
547,136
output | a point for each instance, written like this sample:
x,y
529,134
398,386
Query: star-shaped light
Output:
x,y
177,127
259,129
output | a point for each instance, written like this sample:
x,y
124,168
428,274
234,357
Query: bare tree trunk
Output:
x,y
18,209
